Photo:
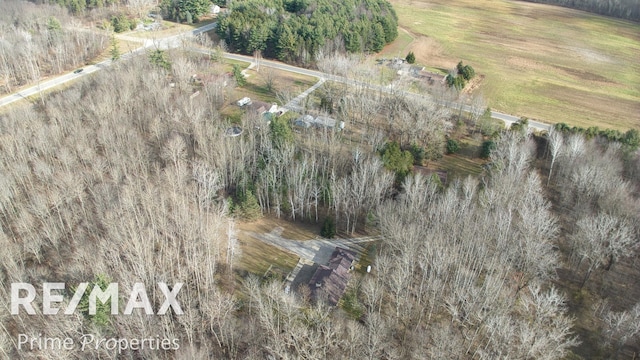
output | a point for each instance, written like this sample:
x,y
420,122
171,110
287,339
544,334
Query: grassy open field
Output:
x,y
544,62
259,258
400,46
256,88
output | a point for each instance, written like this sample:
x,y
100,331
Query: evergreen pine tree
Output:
x,y
411,57
328,228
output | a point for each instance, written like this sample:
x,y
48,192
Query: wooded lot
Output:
x,y
129,175
127,178
296,30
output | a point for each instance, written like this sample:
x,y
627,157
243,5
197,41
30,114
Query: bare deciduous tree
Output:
x,y
556,142
600,240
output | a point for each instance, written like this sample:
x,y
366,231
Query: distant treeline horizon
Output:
x,y
623,9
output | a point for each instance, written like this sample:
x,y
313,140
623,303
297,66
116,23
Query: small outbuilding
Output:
x,y
244,101
307,121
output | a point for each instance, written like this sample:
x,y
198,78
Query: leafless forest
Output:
x,y
41,40
128,177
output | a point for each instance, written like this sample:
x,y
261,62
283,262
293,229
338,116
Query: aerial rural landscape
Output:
x,y
319,179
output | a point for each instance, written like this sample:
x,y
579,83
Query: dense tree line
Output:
x,y
133,186
625,9
296,30
37,41
467,270
78,6
630,138
188,11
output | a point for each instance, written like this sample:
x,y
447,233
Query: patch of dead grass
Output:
x,y
290,230
259,258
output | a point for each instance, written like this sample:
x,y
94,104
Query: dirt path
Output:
x,y
413,39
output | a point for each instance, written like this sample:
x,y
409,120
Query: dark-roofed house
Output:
x,y
330,281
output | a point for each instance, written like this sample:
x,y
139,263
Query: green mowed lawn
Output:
x,y
543,62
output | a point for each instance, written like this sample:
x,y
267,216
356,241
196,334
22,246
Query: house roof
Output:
x,y
259,106
324,121
331,280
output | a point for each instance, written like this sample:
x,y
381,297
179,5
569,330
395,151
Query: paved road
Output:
x,y
178,40
164,43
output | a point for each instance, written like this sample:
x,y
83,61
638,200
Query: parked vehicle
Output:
x,y
244,101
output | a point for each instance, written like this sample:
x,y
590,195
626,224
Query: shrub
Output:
x,y
418,154
159,58
411,57
281,133
103,310
396,160
452,146
247,207
631,139
120,23
487,147
466,71
238,76
464,74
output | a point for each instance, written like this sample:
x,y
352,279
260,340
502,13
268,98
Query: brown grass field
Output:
x,y
543,62
259,258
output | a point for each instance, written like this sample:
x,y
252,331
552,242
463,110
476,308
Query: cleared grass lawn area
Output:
x,y
282,81
462,164
290,230
459,166
256,88
124,47
259,258
543,62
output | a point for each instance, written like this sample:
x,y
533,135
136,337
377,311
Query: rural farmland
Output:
x,y
544,62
